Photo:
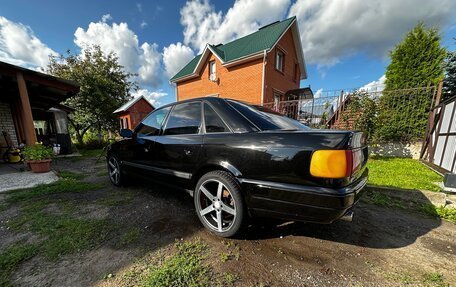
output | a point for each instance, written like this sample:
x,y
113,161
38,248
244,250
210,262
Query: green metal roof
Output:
x,y
263,39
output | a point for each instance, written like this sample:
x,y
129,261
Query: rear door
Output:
x,y
178,149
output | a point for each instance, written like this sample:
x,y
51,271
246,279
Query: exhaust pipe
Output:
x,y
348,216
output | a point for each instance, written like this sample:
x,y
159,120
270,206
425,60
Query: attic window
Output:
x,y
212,71
280,60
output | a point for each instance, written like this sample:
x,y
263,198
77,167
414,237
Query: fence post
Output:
x,y
427,143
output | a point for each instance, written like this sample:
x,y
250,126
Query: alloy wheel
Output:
x,y
216,205
114,170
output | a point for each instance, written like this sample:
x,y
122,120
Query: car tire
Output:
x,y
116,175
219,203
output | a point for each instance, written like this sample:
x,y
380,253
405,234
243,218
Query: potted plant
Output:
x,y
38,157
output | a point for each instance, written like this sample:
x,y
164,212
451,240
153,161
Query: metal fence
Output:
x,y
389,115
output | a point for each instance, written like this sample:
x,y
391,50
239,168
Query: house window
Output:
x,y
280,61
276,101
212,71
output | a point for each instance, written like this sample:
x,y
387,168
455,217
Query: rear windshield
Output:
x,y
266,119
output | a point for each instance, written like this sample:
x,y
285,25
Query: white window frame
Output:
x,y
212,69
280,60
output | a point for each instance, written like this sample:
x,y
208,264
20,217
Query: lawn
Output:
x,y
405,173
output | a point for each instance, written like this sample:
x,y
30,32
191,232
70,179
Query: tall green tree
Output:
x,y
449,82
104,87
417,61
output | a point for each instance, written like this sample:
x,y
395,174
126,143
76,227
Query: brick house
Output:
x,y
258,68
132,113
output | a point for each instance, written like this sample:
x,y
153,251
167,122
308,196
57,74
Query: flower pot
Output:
x,y
39,166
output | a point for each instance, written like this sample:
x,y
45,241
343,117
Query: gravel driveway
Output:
x,y
381,247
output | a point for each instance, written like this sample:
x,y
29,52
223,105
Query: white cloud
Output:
x,y
332,30
202,24
139,7
318,93
105,18
375,86
143,24
151,96
20,46
175,57
142,59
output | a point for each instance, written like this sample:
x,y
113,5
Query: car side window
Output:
x,y
213,122
152,124
184,119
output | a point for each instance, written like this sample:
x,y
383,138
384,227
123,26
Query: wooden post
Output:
x,y
27,118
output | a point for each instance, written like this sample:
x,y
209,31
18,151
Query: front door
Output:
x,y
142,145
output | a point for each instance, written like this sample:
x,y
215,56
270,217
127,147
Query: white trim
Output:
x,y
300,54
130,103
262,78
298,47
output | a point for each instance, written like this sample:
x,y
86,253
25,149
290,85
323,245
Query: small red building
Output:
x,y
133,112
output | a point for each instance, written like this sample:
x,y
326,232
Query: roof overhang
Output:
x,y
298,46
130,103
44,91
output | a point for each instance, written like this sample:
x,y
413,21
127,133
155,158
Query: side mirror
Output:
x,y
126,133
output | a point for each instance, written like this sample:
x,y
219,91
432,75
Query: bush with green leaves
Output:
x,y
360,113
37,152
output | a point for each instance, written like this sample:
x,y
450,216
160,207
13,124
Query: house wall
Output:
x,y
242,82
138,112
6,123
281,81
122,117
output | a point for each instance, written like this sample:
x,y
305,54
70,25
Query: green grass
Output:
x,y
63,234
117,198
403,173
130,236
381,199
95,153
184,268
67,174
435,279
61,186
12,257
60,232
448,214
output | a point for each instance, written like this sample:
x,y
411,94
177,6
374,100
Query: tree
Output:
x,y
449,82
417,61
104,86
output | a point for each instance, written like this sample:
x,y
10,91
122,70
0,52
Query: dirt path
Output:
x,y
381,247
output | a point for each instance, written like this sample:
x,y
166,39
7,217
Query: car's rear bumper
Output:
x,y
298,202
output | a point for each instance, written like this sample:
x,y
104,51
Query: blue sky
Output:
x,y
345,42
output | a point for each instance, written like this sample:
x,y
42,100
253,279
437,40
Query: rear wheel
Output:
x,y
219,204
114,172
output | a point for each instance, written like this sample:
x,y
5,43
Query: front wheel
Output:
x,y
218,203
114,172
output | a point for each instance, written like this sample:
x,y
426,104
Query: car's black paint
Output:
x,y
272,166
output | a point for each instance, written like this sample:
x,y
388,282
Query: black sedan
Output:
x,y
240,161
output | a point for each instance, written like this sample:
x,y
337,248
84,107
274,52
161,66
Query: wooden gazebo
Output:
x,y
25,93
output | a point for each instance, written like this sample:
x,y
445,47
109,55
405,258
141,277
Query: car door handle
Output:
x,y
187,152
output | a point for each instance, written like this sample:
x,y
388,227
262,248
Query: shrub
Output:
x,y
37,152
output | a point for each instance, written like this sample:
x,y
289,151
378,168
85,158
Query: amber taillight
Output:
x,y
335,163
